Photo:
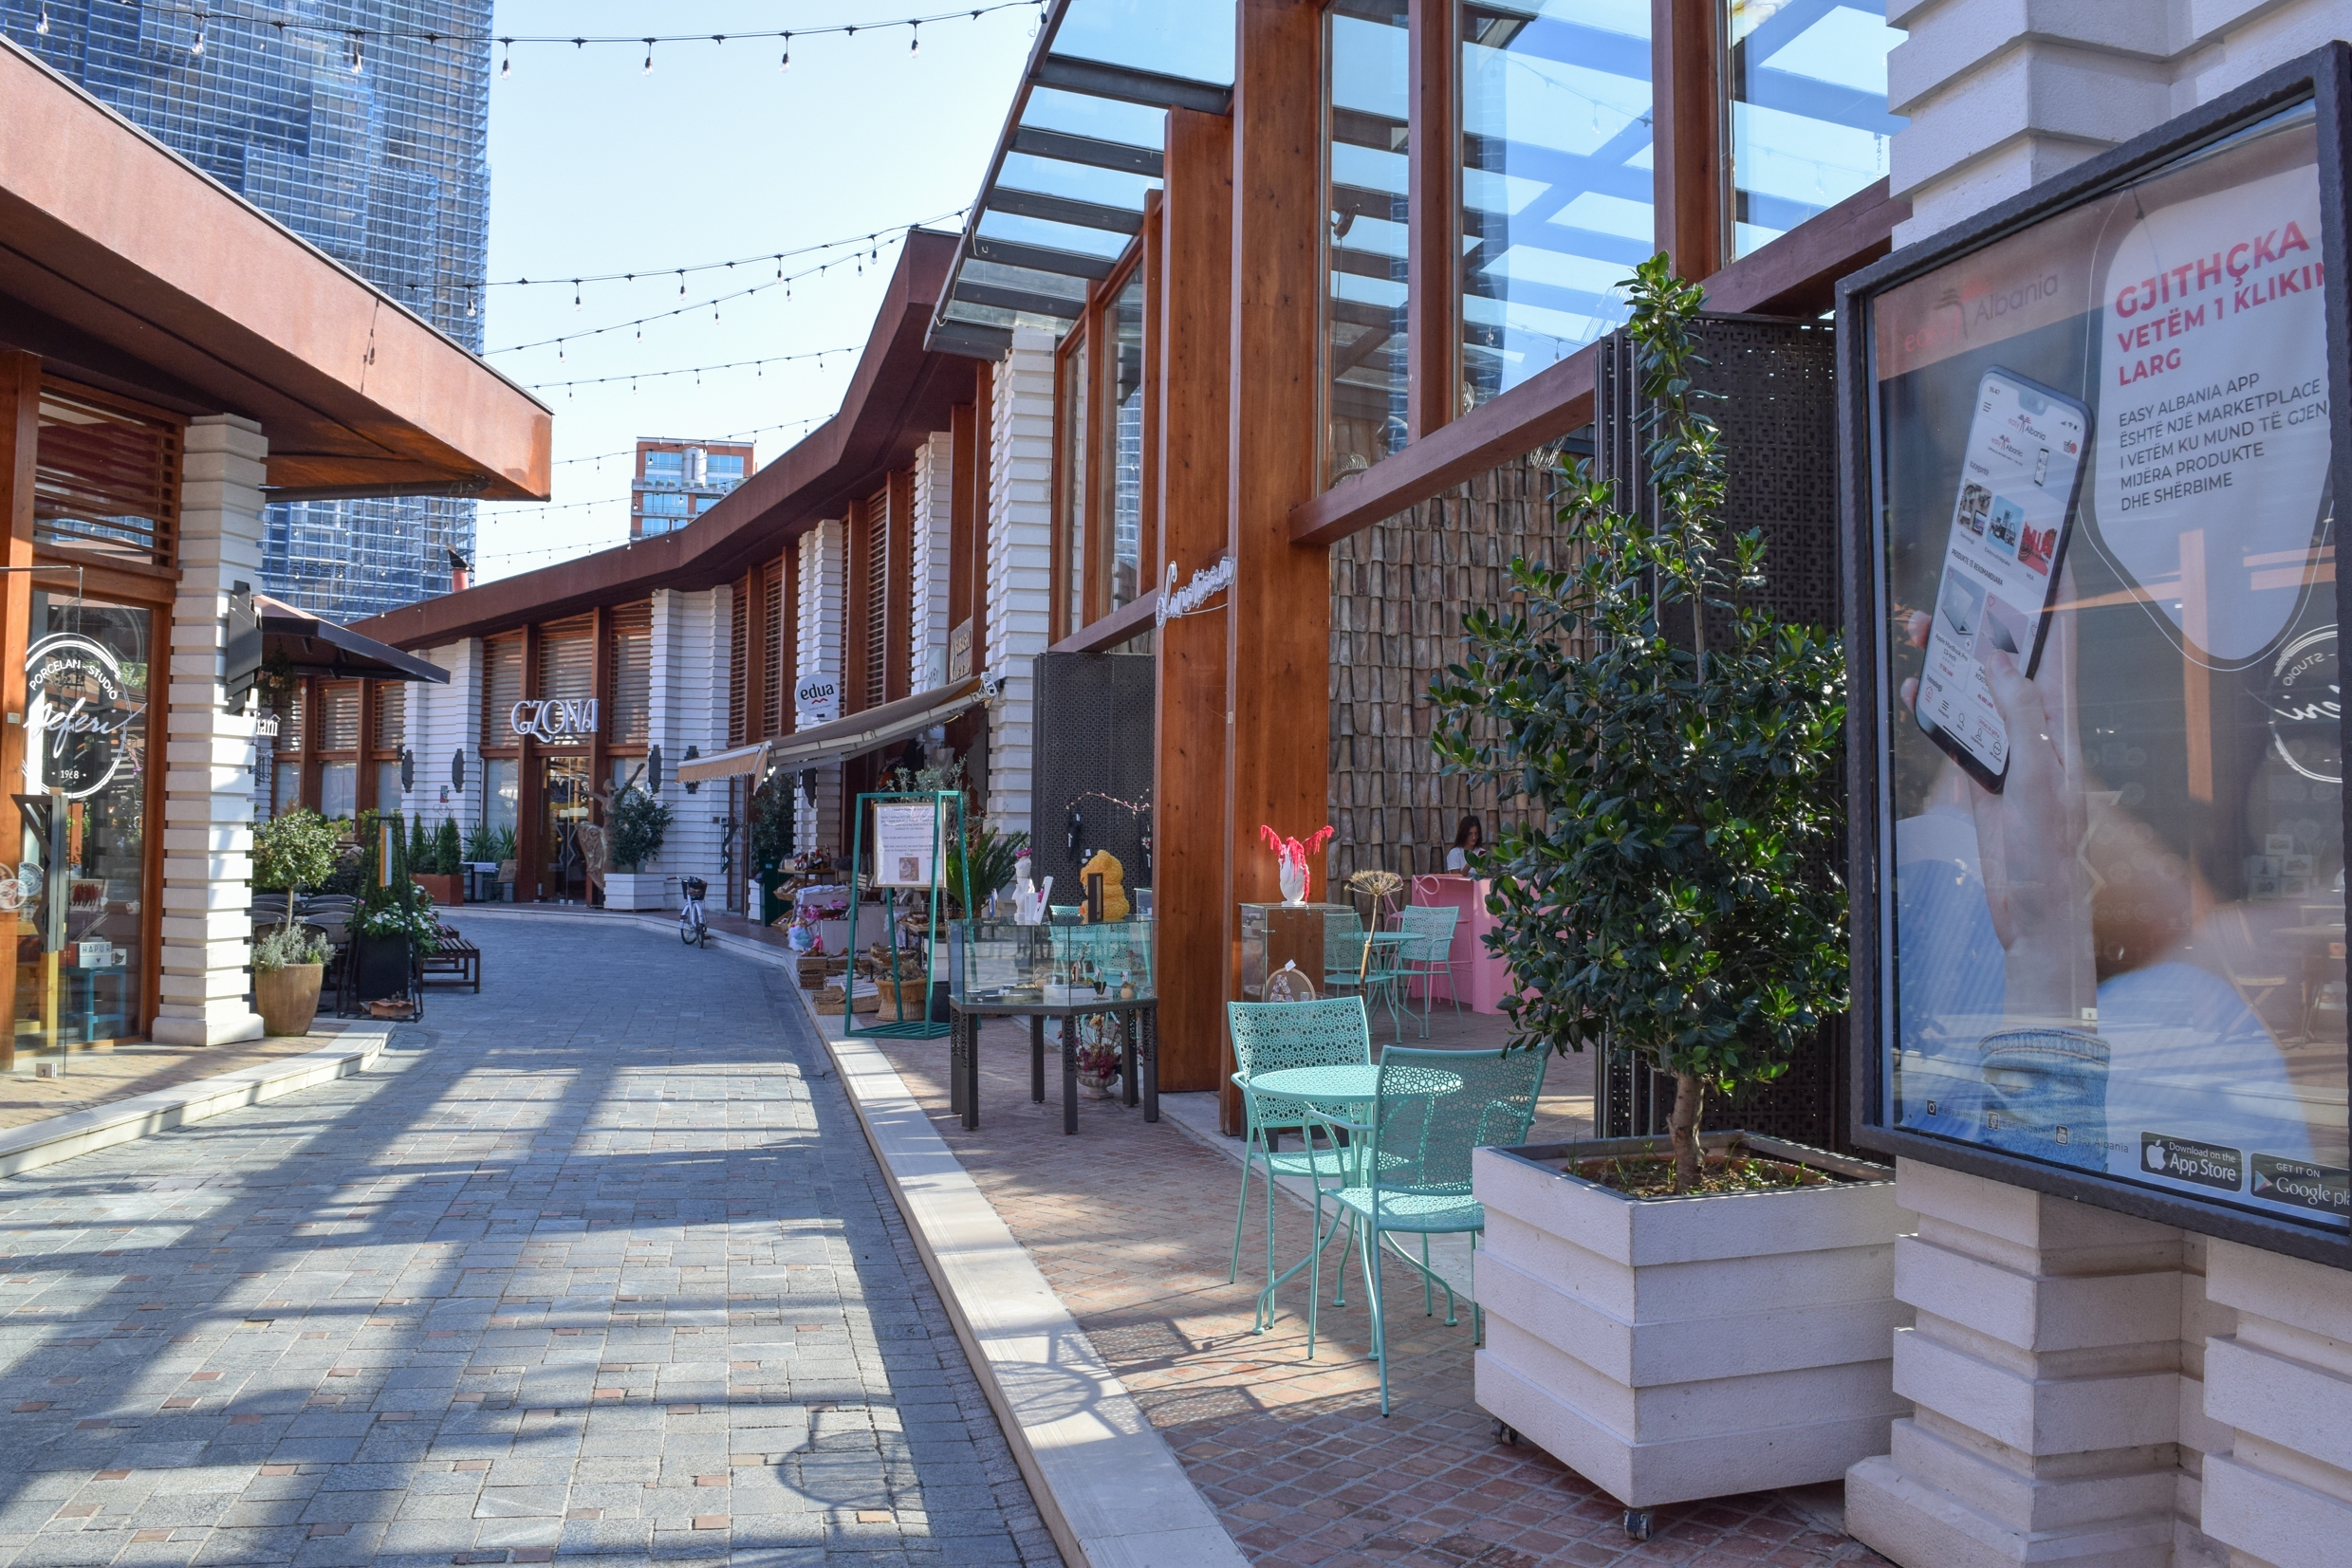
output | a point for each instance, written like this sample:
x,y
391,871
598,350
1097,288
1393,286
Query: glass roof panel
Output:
x,y
1187,38
1099,242
1079,181
1058,286
1105,119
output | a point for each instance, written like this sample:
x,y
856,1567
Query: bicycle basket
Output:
x,y
694,886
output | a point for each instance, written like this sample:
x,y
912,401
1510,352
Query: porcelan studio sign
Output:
x,y
79,715
554,720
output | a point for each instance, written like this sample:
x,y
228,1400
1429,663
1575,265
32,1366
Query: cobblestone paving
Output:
x,y
595,1262
101,1077
1131,1224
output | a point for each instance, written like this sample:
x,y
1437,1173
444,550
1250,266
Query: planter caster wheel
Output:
x,y
1638,1523
1506,1434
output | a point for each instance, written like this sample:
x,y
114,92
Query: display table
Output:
x,y
1482,980
1139,1015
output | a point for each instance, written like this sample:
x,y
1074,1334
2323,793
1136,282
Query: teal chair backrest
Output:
x,y
1434,1134
1431,925
1270,1036
1342,944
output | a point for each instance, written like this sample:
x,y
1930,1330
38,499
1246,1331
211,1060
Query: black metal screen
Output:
x,y
1091,751
1777,404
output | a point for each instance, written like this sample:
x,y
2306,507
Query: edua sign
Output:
x,y
819,698
556,719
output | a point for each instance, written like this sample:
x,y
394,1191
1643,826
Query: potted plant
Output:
x,y
1715,1314
393,930
508,855
290,853
432,862
636,822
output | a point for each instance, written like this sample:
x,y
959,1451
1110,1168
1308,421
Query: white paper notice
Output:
x,y
903,839
2212,409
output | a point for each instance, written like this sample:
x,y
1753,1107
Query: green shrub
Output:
x,y
446,854
638,822
481,843
294,852
282,946
420,847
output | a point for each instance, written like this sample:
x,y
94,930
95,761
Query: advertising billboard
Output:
x,y
2091,460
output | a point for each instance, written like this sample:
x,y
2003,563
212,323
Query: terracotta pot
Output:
x,y
287,998
446,891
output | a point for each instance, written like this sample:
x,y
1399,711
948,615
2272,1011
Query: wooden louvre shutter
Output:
x,y
632,673
877,629
738,665
502,688
106,479
290,715
339,716
391,715
567,660
773,695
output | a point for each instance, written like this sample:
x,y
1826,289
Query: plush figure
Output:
x,y
1114,891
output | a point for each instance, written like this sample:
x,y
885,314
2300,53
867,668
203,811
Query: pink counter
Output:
x,y
1484,978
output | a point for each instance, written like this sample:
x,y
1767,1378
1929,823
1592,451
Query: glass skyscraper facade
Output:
x,y
363,126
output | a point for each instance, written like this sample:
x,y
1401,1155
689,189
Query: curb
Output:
x,y
62,1137
666,924
1107,1486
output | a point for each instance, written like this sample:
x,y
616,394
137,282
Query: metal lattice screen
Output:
x,y
1093,748
1777,408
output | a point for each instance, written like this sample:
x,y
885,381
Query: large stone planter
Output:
x,y
1682,1348
447,891
629,889
287,999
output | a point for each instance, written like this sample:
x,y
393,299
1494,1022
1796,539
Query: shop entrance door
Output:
x,y
564,799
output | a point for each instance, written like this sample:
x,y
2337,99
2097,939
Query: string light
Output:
x,y
357,59
861,241
505,62
820,355
195,50
731,435
785,64
41,26
649,59
915,43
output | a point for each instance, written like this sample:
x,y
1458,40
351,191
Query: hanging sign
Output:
x,y
78,716
904,838
818,698
556,719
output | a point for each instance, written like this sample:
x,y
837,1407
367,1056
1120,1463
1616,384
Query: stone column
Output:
x,y
2044,1374
823,601
2279,1494
1020,565
208,800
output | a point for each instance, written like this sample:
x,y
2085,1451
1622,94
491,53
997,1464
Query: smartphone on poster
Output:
x,y
2020,474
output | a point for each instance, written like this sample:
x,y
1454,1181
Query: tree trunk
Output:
x,y
1683,1125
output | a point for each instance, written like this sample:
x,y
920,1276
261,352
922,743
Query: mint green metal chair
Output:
x,y
1405,1167
1268,1036
1428,953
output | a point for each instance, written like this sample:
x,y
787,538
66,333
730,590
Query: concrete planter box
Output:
x,y
1682,1348
630,890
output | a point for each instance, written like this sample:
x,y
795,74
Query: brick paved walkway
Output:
x,y
1131,1225
589,1263
101,1077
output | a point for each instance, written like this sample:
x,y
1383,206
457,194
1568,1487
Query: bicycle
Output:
x,y
692,929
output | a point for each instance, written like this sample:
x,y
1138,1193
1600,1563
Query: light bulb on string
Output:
x,y
41,26
915,43
575,293
359,58
649,59
195,51
785,64
505,63
681,285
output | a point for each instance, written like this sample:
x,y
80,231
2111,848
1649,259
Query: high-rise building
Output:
x,y
362,126
676,481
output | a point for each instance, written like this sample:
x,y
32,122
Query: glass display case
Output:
x,y
1053,966
1318,938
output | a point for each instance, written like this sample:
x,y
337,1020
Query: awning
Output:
x,y
725,764
315,646
877,727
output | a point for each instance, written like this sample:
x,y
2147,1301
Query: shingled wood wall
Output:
x,y
1399,592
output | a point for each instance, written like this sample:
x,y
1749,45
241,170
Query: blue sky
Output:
x,y
597,167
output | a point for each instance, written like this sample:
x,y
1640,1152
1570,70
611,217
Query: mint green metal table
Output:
x,y
1352,1084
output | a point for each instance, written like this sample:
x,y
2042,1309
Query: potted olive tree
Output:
x,y
292,853
636,823
1712,1313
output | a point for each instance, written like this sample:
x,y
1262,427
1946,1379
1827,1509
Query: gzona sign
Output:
x,y
554,719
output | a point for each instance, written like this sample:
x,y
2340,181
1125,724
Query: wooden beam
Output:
x,y
1147,519
1278,653
1793,275
1191,897
1688,131
1435,215
1110,631
20,437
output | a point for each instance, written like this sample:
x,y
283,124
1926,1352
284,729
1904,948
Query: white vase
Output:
x,y
1293,883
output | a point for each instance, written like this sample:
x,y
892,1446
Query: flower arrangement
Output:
x,y
1379,886
1097,1056
1294,856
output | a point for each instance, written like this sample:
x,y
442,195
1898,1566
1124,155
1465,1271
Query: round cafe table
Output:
x,y
1353,1084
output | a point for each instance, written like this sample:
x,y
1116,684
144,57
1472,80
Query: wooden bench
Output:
x,y
458,962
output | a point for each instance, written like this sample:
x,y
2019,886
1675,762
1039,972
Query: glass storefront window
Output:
x,y
387,787
2112,789
1366,174
287,791
1556,180
1809,126
1123,427
502,793
339,791
1070,505
79,884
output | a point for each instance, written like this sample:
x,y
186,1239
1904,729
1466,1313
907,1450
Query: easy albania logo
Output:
x,y
2307,708
78,715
